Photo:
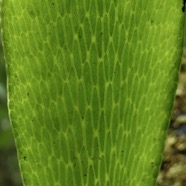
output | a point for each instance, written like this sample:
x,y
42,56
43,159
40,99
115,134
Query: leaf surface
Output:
x,y
91,86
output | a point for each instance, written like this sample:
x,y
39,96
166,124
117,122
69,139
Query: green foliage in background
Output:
x,y
91,86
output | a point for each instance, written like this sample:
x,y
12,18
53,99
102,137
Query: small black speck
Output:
x,y
85,175
152,164
52,3
24,157
82,117
28,93
152,21
101,33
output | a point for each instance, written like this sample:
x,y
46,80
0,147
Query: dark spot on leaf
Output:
x,y
152,164
183,8
24,157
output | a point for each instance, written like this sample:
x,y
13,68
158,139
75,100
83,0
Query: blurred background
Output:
x,y
173,168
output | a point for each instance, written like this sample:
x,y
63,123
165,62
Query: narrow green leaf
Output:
x,y
91,86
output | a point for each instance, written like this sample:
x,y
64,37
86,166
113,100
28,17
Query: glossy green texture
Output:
x,y
91,87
